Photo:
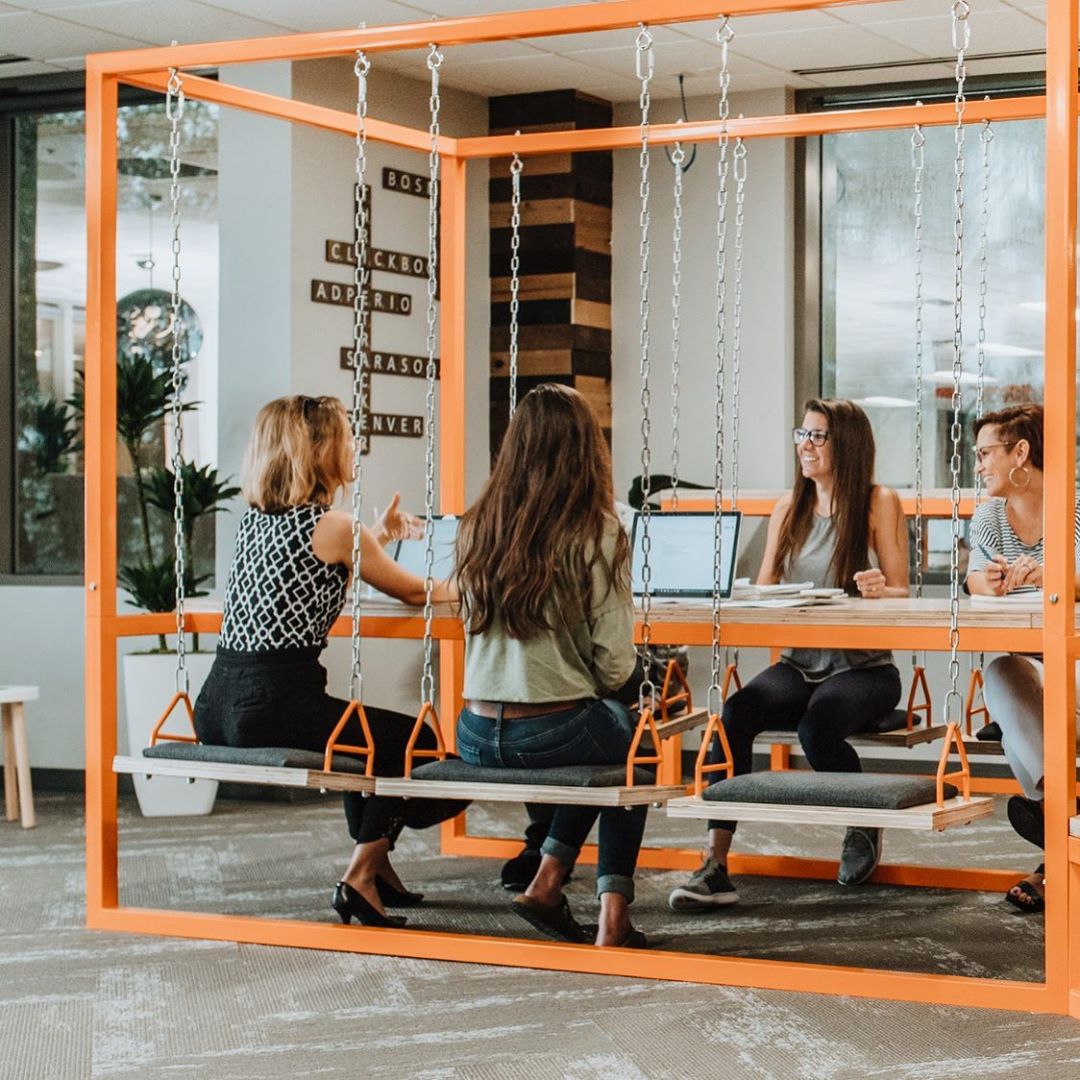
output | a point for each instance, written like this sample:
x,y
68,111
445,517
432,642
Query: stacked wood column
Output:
x,y
564,319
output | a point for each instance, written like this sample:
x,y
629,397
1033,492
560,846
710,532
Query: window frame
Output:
x,y
19,97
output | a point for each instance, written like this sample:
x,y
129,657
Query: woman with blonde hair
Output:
x,y
837,529
287,584
543,572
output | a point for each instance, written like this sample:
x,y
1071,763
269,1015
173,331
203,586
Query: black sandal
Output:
x,y
552,920
1024,896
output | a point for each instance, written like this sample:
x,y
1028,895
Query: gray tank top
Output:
x,y
812,563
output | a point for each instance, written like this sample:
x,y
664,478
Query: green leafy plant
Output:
x,y
50,436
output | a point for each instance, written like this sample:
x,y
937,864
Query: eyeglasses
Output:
x,y
982,451
800,435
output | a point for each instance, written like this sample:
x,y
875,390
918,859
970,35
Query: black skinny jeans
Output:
x,y
279,699
824,714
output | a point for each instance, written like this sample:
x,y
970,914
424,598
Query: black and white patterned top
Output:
x,y
991,534
280,594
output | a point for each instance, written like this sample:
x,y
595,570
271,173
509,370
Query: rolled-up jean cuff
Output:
x,y
566,854
615,883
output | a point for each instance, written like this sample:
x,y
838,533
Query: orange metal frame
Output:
x,y
1060,992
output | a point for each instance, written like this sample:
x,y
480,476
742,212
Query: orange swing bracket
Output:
x,y
367,751
157,735
427,715
963,774
918,682
715,726
975,689
646,720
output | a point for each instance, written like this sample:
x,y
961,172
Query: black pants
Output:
x,y
279,699
824,714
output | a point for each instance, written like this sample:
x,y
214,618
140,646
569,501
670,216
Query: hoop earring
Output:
x,y
1027,477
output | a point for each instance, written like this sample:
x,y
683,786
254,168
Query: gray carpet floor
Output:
x,y
79,1004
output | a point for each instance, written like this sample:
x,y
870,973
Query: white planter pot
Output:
x,y
149,684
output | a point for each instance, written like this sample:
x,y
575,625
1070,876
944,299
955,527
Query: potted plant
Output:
x,y
147,567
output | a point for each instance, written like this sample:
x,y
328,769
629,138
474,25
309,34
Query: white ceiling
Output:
x,y
768,51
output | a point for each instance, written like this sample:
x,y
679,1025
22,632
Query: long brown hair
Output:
x,y
852,441
536,531
299,452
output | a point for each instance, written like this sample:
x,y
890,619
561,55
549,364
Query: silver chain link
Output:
x,y
918,161
961,39
427,680
986,137
515,271
646,62
361,373
739,169
724,35
174,112
678,156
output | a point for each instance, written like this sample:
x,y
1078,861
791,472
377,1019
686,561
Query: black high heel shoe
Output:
x,y
391,896
349,904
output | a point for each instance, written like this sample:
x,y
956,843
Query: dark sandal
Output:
x,y
1025,897
552,920
636,939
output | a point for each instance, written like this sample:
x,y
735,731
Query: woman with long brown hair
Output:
x,y
838,529
287,584
543,572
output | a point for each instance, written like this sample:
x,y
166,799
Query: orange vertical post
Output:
x,y
1062,942
452,368
100,438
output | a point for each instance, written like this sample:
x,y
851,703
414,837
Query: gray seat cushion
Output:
x,y
585,776
276,757
872,791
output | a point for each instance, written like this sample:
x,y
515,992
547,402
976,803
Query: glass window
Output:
x,y
50,325
868,284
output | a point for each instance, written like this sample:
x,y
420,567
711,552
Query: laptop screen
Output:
x,y
681,552
411,554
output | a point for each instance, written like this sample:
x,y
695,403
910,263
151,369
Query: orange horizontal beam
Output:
x,y
300,112
788,126
585,959
469,30
757,504
407,625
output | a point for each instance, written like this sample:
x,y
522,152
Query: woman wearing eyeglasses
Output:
x,y
838,529
287,584
1007,556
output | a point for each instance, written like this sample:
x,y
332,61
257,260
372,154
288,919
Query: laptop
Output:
x,y
681,553
411,555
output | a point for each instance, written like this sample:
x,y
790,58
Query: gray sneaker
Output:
x,y
708,887
859,855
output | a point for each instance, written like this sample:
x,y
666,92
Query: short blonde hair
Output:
x,y
299,452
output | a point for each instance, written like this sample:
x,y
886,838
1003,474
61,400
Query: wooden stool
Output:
x,y
18,795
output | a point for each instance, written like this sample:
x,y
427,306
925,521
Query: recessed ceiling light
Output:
x,y
999,348
882,401
967,378
1040,307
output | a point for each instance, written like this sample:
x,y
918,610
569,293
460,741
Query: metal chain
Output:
x,y
515,269
677,156
961,38
427,680
645,64
174,111
986,137
739,169
918,161
724,35
361,372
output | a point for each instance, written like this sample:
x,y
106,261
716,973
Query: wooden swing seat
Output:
x,y
882,800
267,765
574,785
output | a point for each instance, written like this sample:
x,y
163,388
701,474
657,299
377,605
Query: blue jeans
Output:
x,y
598,734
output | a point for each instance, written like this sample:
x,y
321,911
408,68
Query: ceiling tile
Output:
x,y
993,31
324,14
460,55
1035,8
1008,65
26,67
743,25
6,9
40,37
457,8
623,40
911,9
914,73
181,20
834,46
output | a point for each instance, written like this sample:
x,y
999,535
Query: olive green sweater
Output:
x,y
583,655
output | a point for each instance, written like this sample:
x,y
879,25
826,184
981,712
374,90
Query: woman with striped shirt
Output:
x,y
1006,556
